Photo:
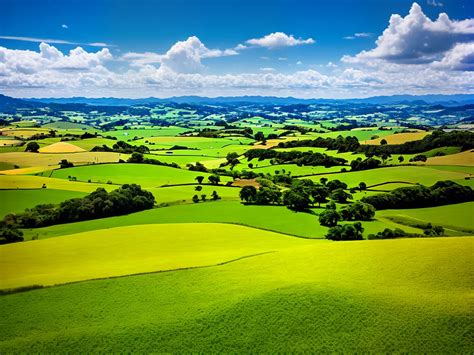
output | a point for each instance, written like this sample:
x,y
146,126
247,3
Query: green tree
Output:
x,y
32,147
329,217
214,179
136,158
319,194
199,179
362,186
195,198
248,194
296,199
259,136
340,195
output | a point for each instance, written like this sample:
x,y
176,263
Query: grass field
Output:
x,y
144,174
398,138
132,250
412,174
19,200
275,218
357,297
25,159
465,158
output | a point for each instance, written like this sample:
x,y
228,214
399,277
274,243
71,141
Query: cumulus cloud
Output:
x,y
64,26
278,39
55,41
182,57
417,39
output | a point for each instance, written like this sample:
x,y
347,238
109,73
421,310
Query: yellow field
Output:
x,y
36,182
22,132
61,147
464,158
398,138
131,250
34,159
9,142
31,170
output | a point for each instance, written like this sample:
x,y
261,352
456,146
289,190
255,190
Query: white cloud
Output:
x,y
434,3
268,69
64,26
331,65
359,35
55,41
182,57
417,39
299,62
279,39
282,58
461,57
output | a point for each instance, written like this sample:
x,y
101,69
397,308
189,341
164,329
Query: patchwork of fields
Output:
x,y
202,271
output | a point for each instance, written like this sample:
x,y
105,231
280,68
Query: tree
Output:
x,y
323,180
65,164
383,142
136,158
358,211
203,197
214,179
215,196
198,188
232,159
340,195
336,184
250,165
401,159
199,179
267,195
296,199
362,186
32,147
195,199
345,232
319,194
248,194
9,234
329,217
259,136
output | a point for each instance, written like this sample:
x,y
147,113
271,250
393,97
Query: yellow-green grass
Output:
x,y
9,142
456,219
61,148
184,194
412,174
36,182
193,142
89,143
22,132
211,152
398,138
66,126
26,159
132,250
6,166
275,218
146,175
31,170
465,158
390,296
180,159
146,132
295,170
14,201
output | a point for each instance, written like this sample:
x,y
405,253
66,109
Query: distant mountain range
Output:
x,y
445,100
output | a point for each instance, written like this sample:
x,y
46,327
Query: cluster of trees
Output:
x,y
138,158
213,179
32,147
98,204
441,193
295,157
266,194
346,232
122,147
429,231
214,197
340,143
357,211
369,163
437,139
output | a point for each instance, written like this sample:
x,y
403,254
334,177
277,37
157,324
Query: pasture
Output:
x,y
26,159
368,296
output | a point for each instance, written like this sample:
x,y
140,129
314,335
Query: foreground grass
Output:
x,y
132,250
409,295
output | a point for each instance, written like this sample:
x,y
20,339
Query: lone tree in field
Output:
x,y
199,179
195,199
362,186
215,195
198,188
383,142
203,197
259,136
401,159
65,164
319,194
136,158
32,147
248,194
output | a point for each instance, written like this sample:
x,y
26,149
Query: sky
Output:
x,y
306,49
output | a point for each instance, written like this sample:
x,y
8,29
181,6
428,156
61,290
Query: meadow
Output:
x,y
358,297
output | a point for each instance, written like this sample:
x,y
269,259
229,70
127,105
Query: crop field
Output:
x,y
465,158
25,159
398,138
61,147
313,297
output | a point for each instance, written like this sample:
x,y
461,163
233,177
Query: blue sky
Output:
x,y
319,48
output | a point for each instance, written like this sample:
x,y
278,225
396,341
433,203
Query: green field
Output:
x,y
353,297
19,200
143,174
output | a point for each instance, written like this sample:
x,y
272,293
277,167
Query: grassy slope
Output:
x,y
370,296
143,174
275,218
18,200
132,250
